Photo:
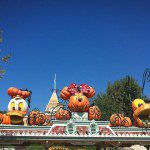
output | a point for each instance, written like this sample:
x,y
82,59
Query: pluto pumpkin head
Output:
x,y
78,97
141,113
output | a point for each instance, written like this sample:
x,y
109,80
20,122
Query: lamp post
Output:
x,y
146,78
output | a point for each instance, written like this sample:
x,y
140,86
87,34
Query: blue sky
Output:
x,y
89,42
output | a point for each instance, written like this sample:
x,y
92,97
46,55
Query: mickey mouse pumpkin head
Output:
x,y
78,97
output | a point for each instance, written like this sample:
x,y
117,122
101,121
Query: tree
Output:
x,y
3,59
118,97
3,111
35,147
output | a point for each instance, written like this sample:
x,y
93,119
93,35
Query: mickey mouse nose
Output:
x,y
79,99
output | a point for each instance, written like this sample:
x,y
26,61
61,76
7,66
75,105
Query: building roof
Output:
x,y
75,131
53,102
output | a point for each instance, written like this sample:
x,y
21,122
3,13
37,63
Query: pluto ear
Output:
x,y
91,93
64,94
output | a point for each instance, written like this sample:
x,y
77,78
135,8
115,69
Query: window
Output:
x,y
93,128
71,128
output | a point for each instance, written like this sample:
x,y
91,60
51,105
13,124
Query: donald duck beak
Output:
x,y
16,116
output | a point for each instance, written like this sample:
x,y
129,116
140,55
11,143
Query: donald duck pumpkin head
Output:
x,y
17,107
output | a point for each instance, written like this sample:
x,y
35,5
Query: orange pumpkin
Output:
x,y
110,124
126,122
91,93
40,119
62,114
94,113
64,94
78,103
12,91
25,94
15,91
36,118
32,117
9,91
19,93
116,119
1,118
6,119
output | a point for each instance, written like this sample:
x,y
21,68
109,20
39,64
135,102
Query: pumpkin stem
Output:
x,y
79,89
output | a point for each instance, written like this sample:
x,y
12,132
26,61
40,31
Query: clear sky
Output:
x,y
81,41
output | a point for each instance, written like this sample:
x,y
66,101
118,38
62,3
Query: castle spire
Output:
x,y
52,106
55,83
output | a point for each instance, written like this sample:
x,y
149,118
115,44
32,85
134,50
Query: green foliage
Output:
x,y
118,97
6,58
35,147
90,147
3,111
2,72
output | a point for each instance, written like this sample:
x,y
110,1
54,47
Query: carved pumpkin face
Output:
x,y
94,113
141,113
17,109
32,117
126,122
78,103
116,120
63,114
36,118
